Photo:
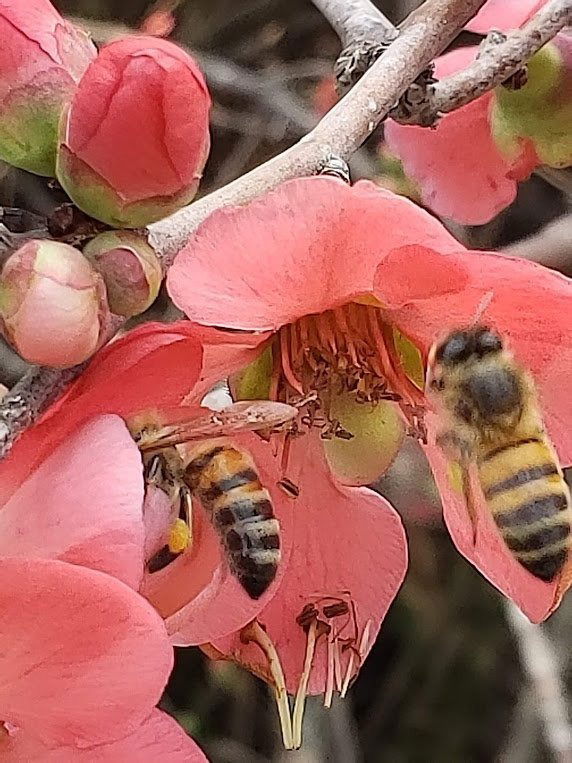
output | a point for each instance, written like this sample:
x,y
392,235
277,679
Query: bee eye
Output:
x,y
455,349
487,341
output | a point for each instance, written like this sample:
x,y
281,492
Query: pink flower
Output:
x,y
84,657
195,594
41,60
162,363
48,289
371,275
511,131
145,100
467,180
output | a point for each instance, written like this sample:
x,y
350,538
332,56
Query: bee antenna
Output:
x,y
483,305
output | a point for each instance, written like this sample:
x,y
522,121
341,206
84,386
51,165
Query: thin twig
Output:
x,y
340,132
551,246
540,662
495,64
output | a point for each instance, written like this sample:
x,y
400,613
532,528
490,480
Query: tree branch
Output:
x,y
356,21
425,34
540,662
495,64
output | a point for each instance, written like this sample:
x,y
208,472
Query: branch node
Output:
x,y
416,105
354,60
335,166
487,47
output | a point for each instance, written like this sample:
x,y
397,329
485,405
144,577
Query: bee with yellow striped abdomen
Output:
x,y
495,422
223,477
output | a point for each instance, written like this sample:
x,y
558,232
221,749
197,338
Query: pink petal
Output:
x,y
346,540
470,182
320,241
490,555
83,658
83,504
530,305
196,594
503,15
158,738
166,357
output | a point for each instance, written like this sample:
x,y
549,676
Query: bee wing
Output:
x,y
244,416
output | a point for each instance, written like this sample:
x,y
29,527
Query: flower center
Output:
x,y
350,349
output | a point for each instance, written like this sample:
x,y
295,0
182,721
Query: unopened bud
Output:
x,y
136,136
540,112
52,304
42,57
130,268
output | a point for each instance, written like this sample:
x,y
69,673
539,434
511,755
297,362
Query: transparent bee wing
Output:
x,y
244,416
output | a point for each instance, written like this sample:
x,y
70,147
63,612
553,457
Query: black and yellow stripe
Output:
x,y
530,503
227,484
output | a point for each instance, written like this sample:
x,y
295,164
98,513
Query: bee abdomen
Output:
x,y
530,505
229,488
254,553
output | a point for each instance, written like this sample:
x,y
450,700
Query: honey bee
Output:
x,y
495,422
223,476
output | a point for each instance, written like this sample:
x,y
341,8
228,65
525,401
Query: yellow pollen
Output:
x,y
179,536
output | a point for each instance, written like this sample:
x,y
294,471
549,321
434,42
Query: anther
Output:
x,y
335,610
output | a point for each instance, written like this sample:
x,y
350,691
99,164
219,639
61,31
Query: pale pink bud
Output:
x,y
130,268
52,304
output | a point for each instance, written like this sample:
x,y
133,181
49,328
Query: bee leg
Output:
x,y
469,501
459,449
180,533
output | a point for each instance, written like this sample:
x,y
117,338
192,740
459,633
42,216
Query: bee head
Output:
x,y
456,349
459,346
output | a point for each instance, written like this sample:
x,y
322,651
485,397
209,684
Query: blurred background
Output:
x,y
455,675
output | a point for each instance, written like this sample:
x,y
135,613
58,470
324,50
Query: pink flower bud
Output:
x,y
42,57
130,268
52,304
136,137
